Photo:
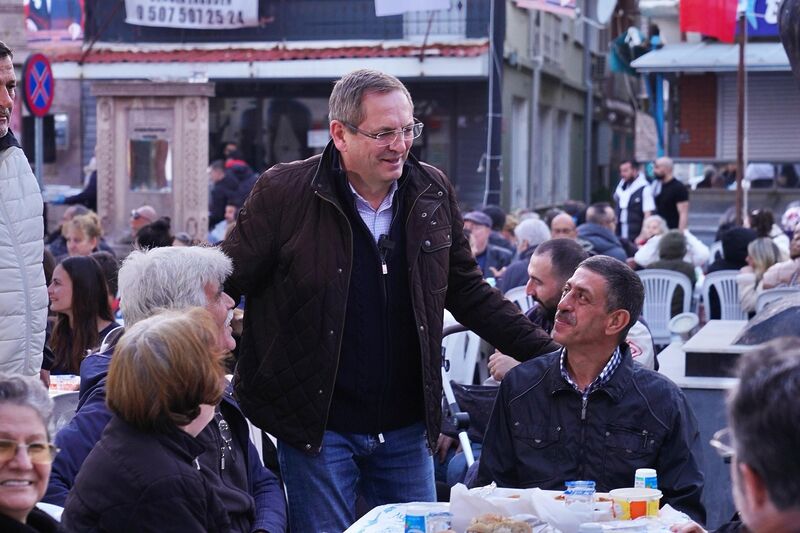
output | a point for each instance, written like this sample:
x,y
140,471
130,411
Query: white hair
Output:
x,y
533,230
169,278
26,391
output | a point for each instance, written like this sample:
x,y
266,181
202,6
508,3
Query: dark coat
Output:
x,y
38,522
603,240
222,192
540,434
139,481
80,435
292,250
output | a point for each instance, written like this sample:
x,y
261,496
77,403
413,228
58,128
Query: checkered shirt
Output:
x,y
601,379
379,220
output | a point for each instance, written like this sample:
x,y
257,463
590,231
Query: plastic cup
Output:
x,y
635,502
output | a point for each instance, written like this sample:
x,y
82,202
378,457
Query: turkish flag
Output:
x,y
716,18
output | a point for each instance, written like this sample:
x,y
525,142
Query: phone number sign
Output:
x,y
192,14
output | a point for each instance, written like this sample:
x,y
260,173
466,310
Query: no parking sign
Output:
x,y
38,84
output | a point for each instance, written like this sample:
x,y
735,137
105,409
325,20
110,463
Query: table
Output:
x,y
390,518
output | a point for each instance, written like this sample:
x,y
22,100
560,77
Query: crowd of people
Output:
x,y
345,263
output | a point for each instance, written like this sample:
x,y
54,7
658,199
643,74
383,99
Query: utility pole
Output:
x,y
740,115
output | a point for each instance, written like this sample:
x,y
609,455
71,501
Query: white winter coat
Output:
x,y
23,294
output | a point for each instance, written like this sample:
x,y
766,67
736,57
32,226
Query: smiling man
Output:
x,y
21,244
586,411
347,260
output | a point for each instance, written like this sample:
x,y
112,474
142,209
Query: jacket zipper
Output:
x,y
412,269
584,402
344,310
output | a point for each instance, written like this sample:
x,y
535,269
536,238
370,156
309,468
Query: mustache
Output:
x,y
565,316
229,317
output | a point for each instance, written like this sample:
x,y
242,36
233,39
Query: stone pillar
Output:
x,y
152,149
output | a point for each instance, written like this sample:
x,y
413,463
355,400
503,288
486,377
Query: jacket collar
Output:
x,y
175,439
615,387
8,140
329,170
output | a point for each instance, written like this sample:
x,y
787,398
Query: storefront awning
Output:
x,y
713,57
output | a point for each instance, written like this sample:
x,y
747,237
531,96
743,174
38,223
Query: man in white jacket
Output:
x,y
23,294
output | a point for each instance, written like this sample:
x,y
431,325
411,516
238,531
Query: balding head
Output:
x,y
663,168
563,227
602,214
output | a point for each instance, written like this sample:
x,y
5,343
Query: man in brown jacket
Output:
x,y
347,261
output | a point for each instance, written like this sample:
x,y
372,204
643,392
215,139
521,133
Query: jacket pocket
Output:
x,y
540,452
627,449
436,259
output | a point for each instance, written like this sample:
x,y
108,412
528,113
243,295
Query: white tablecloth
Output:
x,y
389,518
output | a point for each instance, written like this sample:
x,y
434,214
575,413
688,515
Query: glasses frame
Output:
x,y
415,129
720,441
17,445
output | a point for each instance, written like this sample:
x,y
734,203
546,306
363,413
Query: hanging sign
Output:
x,y
192,14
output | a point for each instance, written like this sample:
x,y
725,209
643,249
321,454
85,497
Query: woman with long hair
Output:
x,y
79,297
762,253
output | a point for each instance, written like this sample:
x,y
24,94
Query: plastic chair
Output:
x,y
659,287
520,297
724,282
461,349
64,406
770,295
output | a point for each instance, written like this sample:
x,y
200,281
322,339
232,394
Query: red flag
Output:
x,y
715,18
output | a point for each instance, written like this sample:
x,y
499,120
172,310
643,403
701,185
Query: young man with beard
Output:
x,y
587,411
671,196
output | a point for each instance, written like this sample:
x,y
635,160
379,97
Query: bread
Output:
x,y
491,523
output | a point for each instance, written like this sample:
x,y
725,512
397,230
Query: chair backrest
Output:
x,y
659,287
64,406
462,350
724,282
520,297
770,295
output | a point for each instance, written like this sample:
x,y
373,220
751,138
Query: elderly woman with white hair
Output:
x,y
25,454
653,228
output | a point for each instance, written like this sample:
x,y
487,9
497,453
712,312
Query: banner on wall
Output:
x,y
566,8
192,14
53,20
387,8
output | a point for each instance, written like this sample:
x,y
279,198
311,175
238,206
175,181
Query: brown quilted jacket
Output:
x,y
292,254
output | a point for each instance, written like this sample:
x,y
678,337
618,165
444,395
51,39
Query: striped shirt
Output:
x,y
601,379
379,220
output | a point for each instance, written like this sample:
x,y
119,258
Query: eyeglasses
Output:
x,y
387,138
38,452
722,442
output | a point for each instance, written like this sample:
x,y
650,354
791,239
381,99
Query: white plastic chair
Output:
x,y
462,350
770,295
64,406
659,287
520,297
724,281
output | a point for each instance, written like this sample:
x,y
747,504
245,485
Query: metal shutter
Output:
x,y
773,108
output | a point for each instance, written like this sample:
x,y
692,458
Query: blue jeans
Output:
x,y
322,490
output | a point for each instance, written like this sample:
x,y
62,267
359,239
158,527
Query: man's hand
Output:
x,y
443,446
689,527
500,364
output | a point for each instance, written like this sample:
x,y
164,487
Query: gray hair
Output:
x,y
5,51
533,230
345,101
169,278
26,391
662,224
763,412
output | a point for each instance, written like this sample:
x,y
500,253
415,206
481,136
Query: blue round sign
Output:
x,y
38,85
